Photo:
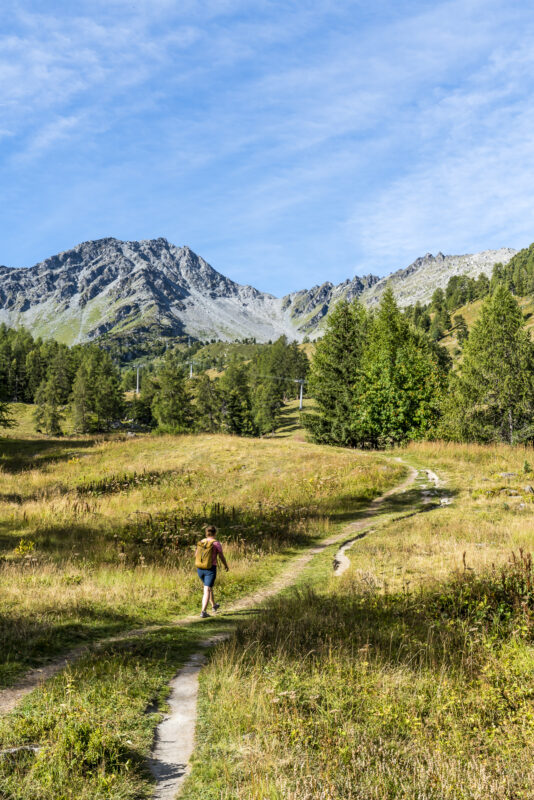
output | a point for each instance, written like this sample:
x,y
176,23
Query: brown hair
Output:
x,y
211,530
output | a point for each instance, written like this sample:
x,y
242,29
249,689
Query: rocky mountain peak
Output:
x,y
109,285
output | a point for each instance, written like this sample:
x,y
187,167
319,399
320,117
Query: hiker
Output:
x,y
208,550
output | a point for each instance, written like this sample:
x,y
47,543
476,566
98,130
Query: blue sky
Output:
x,y
287,143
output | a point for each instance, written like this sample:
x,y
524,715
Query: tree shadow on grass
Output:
x,y
28,642
17,455
60,541
284,525
288,423
409,503
163,538
392,629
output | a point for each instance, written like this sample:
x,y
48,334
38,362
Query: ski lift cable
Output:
x,y
278,378
300,381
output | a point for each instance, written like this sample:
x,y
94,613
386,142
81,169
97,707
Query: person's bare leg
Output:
x,y
212,599
205,598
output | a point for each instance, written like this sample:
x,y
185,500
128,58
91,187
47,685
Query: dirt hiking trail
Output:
x,y
12,695
174,739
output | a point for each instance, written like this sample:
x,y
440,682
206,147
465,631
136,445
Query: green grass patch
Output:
x,y
97,534
94,724
408,677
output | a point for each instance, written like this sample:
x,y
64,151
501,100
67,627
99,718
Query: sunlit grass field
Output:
x,y
97,535
408,677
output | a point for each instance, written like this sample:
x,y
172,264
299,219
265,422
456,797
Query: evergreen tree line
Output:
x,y
379,379
435,317
376,378
81,379
518,274
246,400
86,385
25,362
83,383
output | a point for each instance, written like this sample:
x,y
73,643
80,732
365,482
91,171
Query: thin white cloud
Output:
x,y
369,136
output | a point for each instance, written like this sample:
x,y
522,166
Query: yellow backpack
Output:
x,y
204,554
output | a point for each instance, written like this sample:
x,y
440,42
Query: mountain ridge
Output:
x,y
109,286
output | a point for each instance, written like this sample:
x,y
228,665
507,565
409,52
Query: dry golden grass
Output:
x,y
409,677
98,534
489,517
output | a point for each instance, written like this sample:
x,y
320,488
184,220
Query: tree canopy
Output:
x,y
376,379
492,394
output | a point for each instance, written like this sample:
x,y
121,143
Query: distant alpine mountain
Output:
x,y
115,287
420,279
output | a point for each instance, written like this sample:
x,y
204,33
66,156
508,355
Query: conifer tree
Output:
x,y
59,370
208,404
425,322
48,415
438,299
401,380
444,319
237,416
172,406
436,331
268,401
335,373
482,286
82,400
377,380
492,397
6,417
108,393
461,329
141,408
35,371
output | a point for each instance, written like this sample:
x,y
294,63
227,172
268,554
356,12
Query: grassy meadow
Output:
x,y
410,676
97,534
96,537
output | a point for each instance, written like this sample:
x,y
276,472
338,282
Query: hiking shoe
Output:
x,y
216,607
204,614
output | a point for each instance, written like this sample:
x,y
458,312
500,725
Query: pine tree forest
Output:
x,y
377,377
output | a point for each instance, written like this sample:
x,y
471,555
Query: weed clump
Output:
x,y
341,694
499,602
85,748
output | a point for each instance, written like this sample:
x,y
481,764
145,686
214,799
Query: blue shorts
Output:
x,y
207,576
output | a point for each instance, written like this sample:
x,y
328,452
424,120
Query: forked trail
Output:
x,y
175,735
174,739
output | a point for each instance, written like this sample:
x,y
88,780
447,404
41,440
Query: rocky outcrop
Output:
x,y
114,286
425,274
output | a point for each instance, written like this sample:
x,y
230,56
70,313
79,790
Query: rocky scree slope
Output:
x,y
119,287
420,279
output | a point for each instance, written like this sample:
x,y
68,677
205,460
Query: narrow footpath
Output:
x,y
174,740
12,695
